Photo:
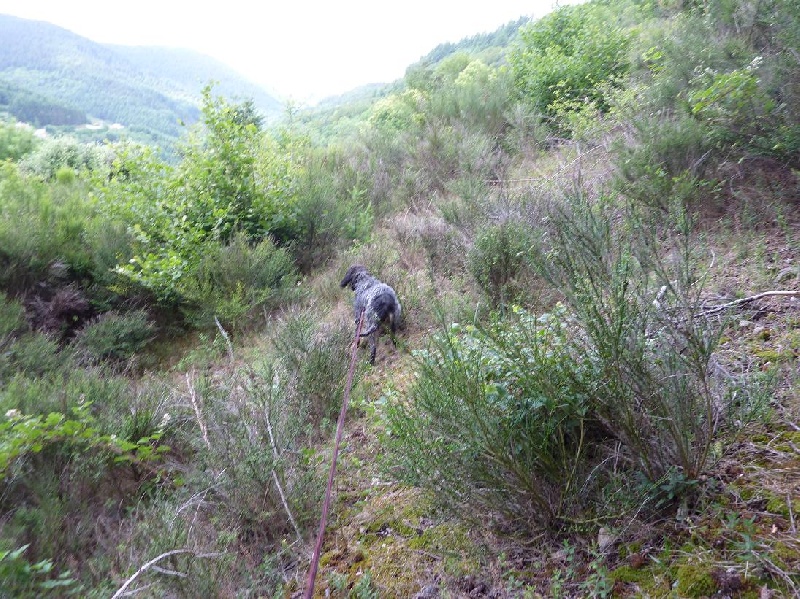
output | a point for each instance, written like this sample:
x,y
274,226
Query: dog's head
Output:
x,y
352,275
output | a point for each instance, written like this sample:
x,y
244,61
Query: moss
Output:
x,y
768,355
746,493
630,549
394,569
786,553
695,581
451,542
778,505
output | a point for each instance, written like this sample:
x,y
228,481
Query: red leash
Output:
x,y
312,571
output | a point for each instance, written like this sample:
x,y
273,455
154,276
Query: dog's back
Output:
x,y
383,307
376,300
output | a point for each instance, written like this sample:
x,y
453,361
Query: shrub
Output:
x,y
12,317
571,54
331,210
115,336
498,261
236,281
500,420
630,278
312,366
669,160
15,141
61,157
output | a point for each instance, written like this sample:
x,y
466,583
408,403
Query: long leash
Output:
x,y
312,571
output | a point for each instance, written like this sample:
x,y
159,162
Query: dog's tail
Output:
x,y
385,308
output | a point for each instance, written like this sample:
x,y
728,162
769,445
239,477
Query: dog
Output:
x,y
377,301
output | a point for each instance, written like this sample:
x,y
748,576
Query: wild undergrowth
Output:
x,y
592,394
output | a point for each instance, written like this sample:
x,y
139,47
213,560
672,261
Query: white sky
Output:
x,y
301,49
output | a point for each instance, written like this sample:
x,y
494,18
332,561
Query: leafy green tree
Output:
x,y
570,55
15,141
233,183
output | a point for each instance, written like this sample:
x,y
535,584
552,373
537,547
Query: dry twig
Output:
x,y
277,481
196,406
747,300
122,591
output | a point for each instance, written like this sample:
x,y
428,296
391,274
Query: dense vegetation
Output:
x,y
591,397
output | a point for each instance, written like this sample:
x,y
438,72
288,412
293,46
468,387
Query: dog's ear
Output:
x,y
348,278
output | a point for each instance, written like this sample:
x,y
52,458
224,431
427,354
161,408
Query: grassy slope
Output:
x,y
742,528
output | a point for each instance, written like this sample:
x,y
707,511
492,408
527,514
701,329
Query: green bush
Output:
x,y
114,336
55,157
236,281
15,141
572,54
331,211
12,318
669,160
20,578
629,276
499,421
498,261
36,355
312,366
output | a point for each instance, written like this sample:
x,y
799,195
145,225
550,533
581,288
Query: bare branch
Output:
x,y
121,591
227,338
196,407
747,300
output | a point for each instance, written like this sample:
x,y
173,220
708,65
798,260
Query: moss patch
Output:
x,y
695,581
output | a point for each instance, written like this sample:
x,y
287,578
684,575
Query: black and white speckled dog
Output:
x,y
378,301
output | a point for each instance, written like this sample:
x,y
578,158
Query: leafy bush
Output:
x,y
233,183
56,156
570,54
19,577
15,141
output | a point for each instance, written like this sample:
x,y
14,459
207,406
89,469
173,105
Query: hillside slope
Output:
x,y
111,83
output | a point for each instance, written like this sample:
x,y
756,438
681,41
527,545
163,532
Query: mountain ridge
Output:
x,y
152,91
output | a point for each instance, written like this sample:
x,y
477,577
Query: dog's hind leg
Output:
x,y
373,345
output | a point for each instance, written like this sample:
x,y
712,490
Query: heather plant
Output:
x,y
668,160
235,282
332,209
312,367
114,336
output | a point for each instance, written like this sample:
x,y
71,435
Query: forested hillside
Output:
x,y
51,76
592,226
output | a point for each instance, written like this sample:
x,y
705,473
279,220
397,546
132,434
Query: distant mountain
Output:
x,y
51,76
190,71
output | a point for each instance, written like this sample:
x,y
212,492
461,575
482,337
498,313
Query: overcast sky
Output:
x,y
301,49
